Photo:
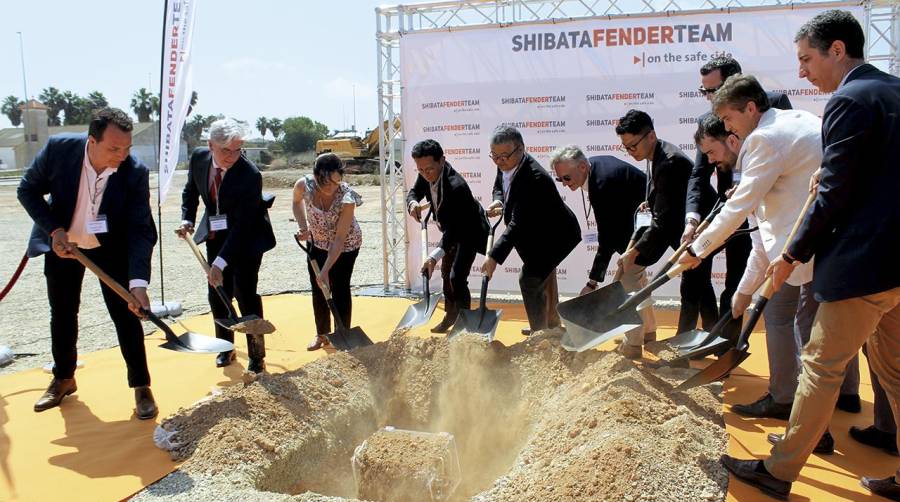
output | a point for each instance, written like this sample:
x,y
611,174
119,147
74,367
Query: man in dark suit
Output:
x,y
853,229
461,219
100,203
669,170
701,198
235,227
539,226
615,190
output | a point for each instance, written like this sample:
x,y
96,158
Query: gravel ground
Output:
x,y
25,311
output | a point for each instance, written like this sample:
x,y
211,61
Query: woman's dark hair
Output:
x,y
326,164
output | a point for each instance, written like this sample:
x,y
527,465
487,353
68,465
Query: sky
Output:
x,y
269,58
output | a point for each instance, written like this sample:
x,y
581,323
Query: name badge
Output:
x,y
218,222
643,219
589,237
97,225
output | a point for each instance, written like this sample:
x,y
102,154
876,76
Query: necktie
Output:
x,y
214,188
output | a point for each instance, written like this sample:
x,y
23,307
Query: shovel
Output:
x,y
250,324
737,354
342,338
420,312
700,228
484,320
697,343
186,342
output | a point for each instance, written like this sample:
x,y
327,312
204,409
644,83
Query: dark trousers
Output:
x,y
64,278
698,299
339,282
884,417
239,281
540,296
737,252
455,267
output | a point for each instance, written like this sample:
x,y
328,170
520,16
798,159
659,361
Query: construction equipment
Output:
x,y
342,338
483,321
250,324
420,312
737,354
353,148
186,342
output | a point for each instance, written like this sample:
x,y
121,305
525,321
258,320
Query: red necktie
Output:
x,y
214,188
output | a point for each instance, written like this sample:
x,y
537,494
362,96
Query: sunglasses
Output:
x,y
567,178
632,147
706,91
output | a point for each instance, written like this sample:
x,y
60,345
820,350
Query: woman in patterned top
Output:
x,y
323,207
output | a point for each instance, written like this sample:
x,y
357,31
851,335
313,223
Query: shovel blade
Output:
x,y
471,321
349,339
716,345
591,319
717,370
419,313
250,324
687,340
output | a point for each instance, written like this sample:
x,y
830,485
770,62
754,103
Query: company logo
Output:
x,y
687,120
631,36
604,148
476,175
802,92
512,270
620,96
601,122
457,103
452,128
539,149
462,151
537,124
687,146
690,95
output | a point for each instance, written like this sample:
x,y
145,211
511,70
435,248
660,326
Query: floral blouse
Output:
x,y
323,224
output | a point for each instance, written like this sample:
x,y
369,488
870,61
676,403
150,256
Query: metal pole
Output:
x,y
22,54
162,59
382,140
28,150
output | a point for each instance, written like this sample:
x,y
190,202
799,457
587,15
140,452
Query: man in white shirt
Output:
x,y
100,203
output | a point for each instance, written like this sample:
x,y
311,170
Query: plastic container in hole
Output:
x,y
403,465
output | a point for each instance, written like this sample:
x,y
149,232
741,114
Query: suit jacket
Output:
x,y
539,225
615,189
461,217
669,173
776,161
853,228
701,196
126,202
249,230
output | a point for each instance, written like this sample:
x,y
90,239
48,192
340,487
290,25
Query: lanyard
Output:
x,y
95,193
587,208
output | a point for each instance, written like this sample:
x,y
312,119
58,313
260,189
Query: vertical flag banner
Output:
x,y
176,88
570,82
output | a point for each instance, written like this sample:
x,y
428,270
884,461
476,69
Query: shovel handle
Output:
x,y
424,234
219,289
326,291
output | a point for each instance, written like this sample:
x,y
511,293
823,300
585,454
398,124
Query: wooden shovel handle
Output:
x,y
767,289
197,253
106,278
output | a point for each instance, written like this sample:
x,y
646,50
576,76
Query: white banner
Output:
x,y
176,89
570,82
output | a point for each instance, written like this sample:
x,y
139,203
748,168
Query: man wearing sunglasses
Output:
x,y
539,226
668,171
615,189
459,216
699,295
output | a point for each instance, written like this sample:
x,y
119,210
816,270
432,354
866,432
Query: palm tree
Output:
x,y
262,124
154,103
275,127
141,103
193,103
54,100
97,100
11,109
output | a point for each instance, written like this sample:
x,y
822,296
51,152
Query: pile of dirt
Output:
x,y
531,422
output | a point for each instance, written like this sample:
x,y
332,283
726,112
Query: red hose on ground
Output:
x,y
15,277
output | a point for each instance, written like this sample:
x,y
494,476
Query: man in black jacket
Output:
x,y
615,190
100,203
539,226
459,216
669,170
235,227
853,229
701,197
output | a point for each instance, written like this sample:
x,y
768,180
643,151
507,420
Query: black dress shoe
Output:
x,y
886,487
764,407
650,336
526,331
56,391
849,403
754,473
256,365
224,358
144,405
446,323
825,446
870,436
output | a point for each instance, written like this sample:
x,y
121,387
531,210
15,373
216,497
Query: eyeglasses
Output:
x,y
229,151
706,91
503,157
632,147
567,178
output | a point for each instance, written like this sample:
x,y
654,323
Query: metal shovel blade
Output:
x,y
715,346
349,339
250,324
195,342
419,313
592,319
717,370
472,321
687,339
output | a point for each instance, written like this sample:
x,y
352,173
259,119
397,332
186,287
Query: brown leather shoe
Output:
x,y
320,341
144,405
56,391
650,336
886,487
825,446
631,351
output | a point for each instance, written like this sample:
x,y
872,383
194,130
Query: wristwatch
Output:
x,y
591,284
692,221
788,258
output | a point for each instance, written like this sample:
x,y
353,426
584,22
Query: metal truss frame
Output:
x,y
392,23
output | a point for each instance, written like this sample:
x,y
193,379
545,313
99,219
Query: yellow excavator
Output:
x,y
352,148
